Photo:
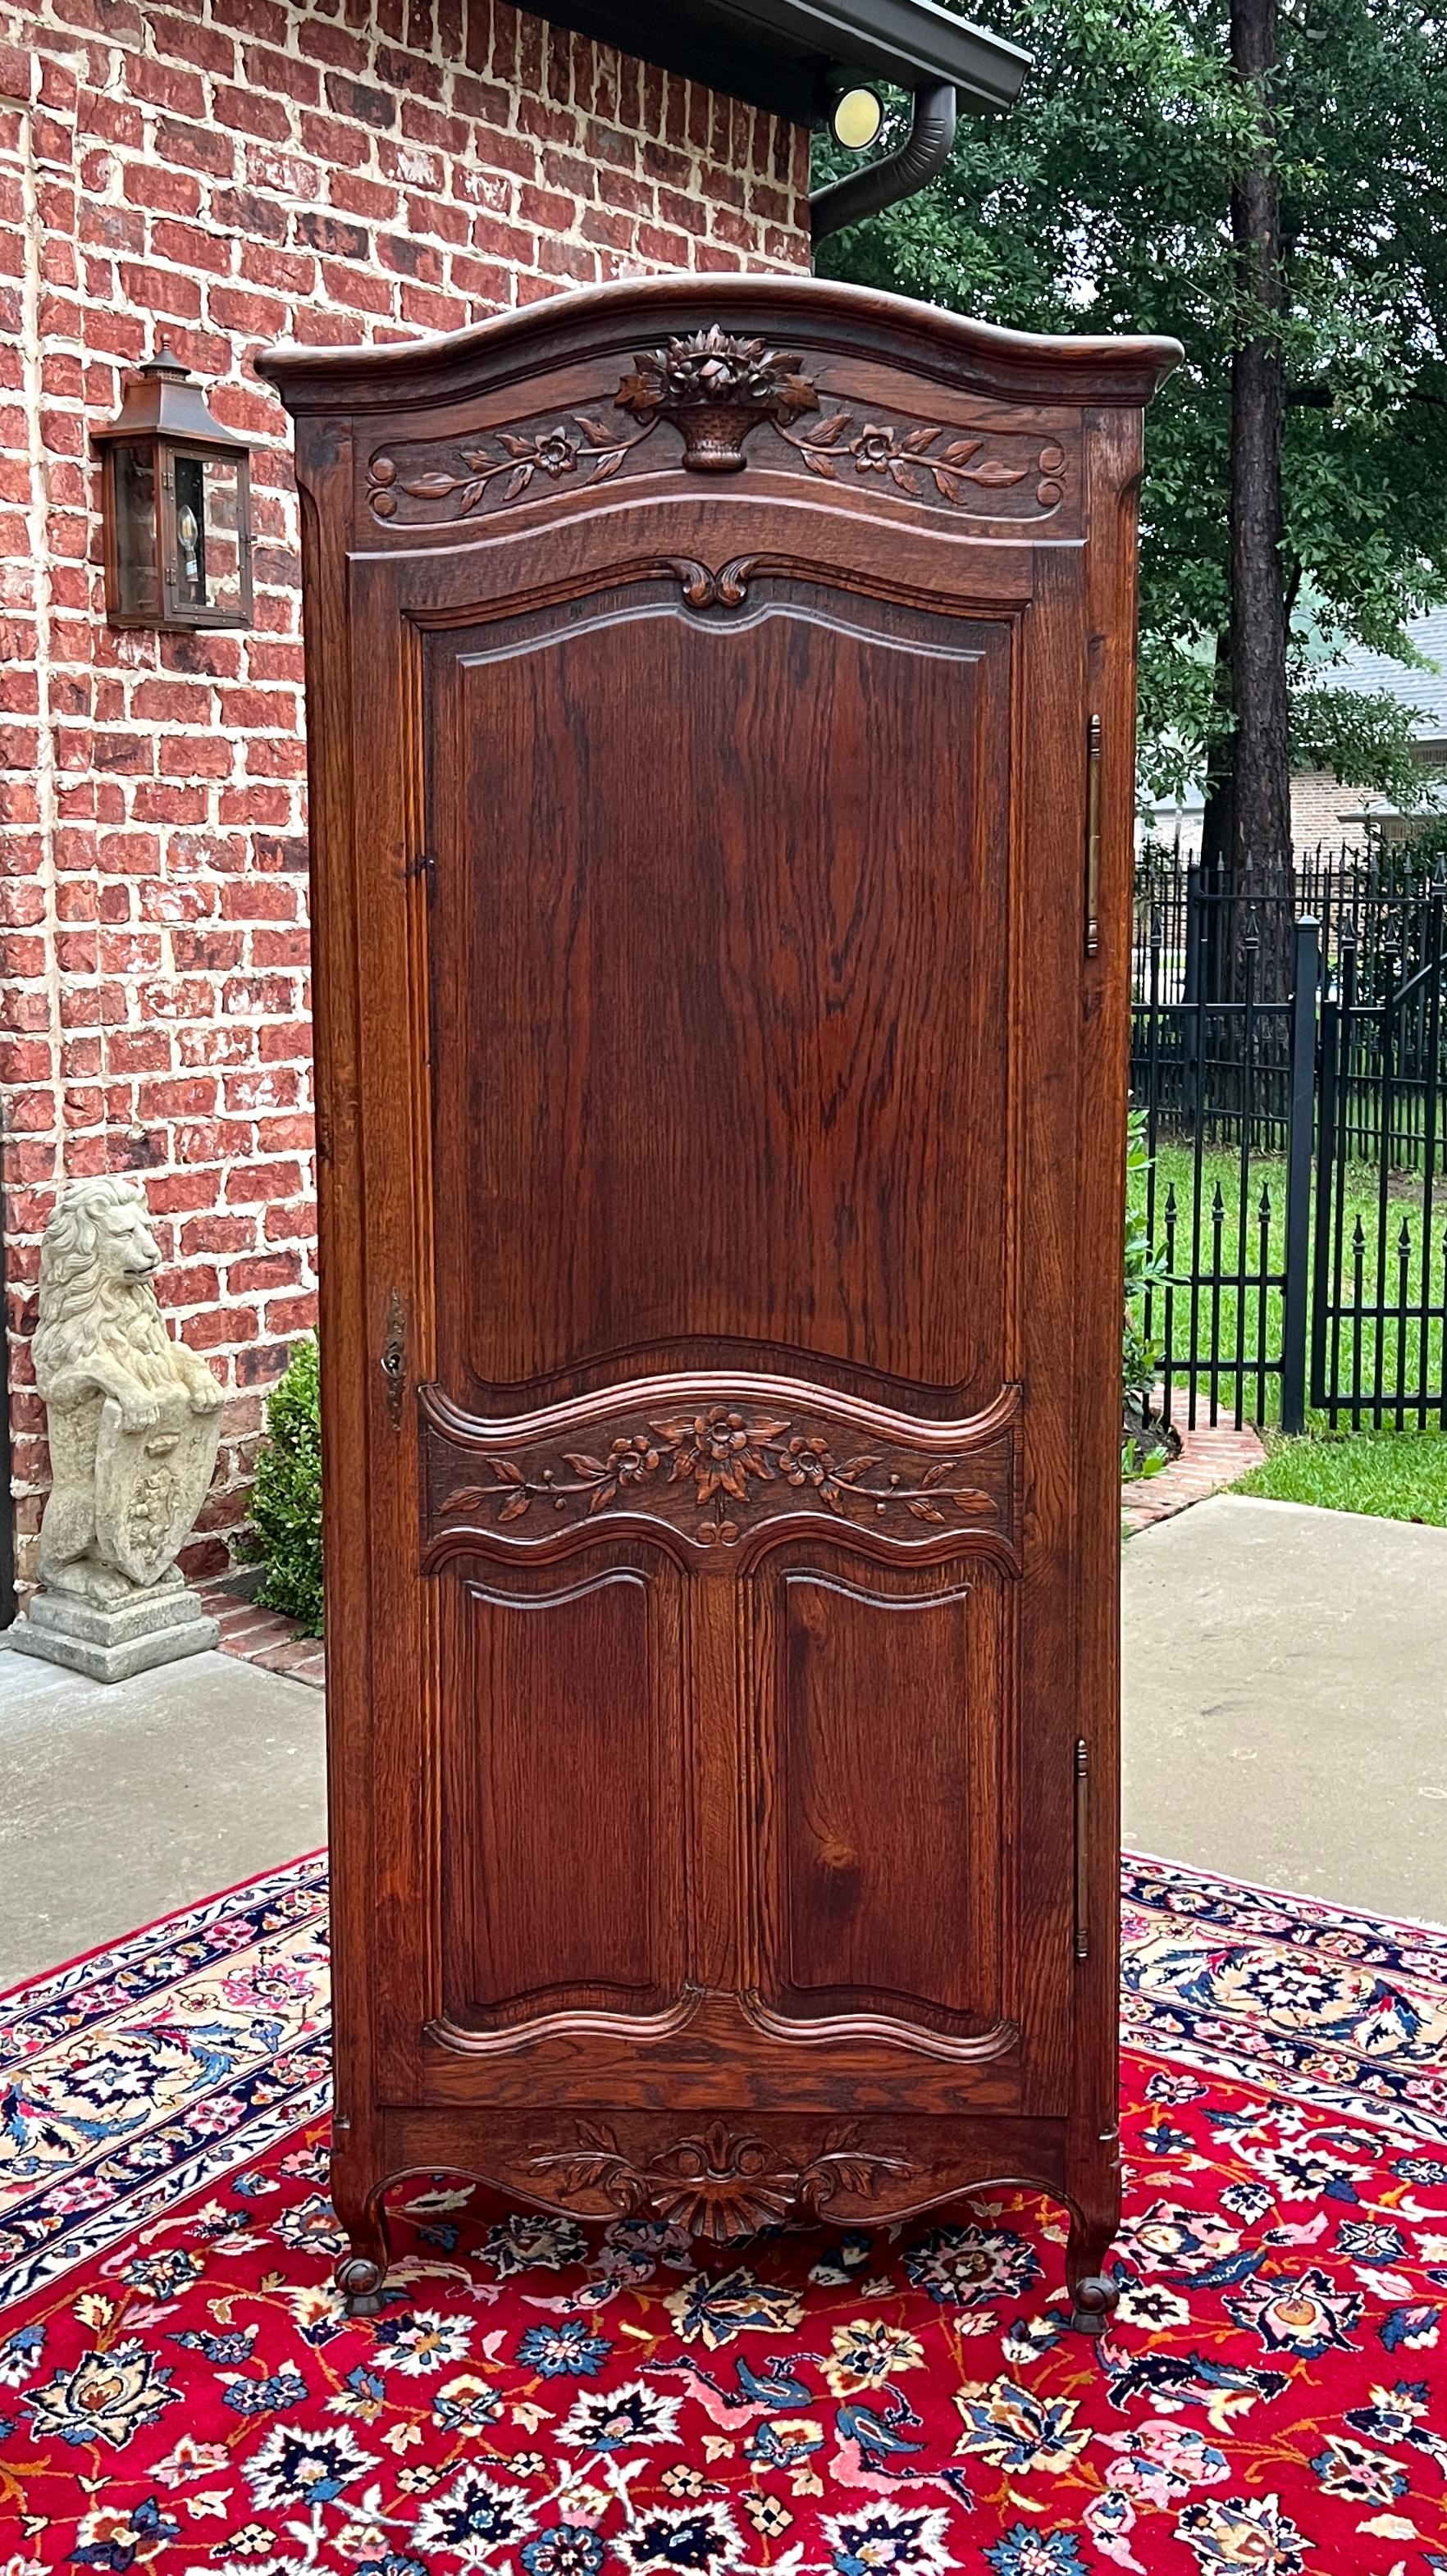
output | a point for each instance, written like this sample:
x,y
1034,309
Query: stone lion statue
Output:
x,y
134,1417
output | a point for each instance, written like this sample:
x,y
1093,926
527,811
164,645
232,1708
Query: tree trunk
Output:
x,y
1213,945
1259,856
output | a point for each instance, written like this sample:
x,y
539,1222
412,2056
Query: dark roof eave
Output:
x,y
783,54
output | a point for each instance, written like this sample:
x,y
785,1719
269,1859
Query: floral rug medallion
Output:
x,y
180,2390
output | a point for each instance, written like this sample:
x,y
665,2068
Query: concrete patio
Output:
x,y
1285,1693
119,1801
1285,1699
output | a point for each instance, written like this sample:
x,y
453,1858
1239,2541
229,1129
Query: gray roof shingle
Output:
x,y
1425,692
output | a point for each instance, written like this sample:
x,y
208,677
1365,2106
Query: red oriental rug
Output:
x,y
180,2390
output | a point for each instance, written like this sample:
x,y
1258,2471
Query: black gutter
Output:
x,y
789,56
901,41
923,153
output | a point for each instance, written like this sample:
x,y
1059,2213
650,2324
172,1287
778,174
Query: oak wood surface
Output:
x,y
693,1114
721,1172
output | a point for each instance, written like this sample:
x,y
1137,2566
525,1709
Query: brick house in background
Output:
x,y
1333,812
218,174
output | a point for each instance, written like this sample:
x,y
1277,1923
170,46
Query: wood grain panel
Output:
x,y
563,1809
881,1715
683,1101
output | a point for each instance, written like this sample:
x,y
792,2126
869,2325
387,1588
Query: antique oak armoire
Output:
x,y
720,695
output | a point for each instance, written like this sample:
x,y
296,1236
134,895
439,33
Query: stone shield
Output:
x,y
150,1485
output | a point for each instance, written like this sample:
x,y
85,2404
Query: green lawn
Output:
x,y
1396,1475
1241,1324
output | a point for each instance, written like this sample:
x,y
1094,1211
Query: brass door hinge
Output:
x,y
1082,1848
1092,838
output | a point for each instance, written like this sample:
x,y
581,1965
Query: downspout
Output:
x,y
924,151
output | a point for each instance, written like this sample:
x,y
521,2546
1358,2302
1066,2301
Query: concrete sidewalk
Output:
x,y
1286,1701
121,1801
1285,1696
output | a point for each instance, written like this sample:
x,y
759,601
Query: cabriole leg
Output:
x,y
362,2270
1092,2293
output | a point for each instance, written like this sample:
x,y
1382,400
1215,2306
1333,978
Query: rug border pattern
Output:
x,y
92,1992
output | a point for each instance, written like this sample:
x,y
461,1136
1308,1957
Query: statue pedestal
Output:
x,y
112,1641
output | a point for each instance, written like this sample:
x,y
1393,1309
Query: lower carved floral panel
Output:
x,y
719,2182
722,2178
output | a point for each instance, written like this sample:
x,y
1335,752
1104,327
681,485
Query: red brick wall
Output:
x,y
1321,806
219,173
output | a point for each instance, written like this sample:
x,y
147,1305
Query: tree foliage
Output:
x,y
1101,203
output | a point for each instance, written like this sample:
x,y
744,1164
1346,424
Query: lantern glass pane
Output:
x,y
135,503
209,534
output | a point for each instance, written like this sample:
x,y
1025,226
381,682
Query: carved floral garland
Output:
x,y
553,452
719,2184
716,391
724,1453
875,448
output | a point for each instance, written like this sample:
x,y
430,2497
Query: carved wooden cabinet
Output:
x,y
721,748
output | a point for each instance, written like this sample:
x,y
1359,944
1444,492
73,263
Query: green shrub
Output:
x,y
286,1499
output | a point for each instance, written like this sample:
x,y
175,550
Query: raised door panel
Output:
x,y
688,868
562,1809
885,1722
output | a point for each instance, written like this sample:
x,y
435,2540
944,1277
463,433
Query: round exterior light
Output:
x,y
857,117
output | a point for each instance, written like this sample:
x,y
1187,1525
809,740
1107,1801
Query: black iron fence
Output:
x,y
1355,897
1290,1064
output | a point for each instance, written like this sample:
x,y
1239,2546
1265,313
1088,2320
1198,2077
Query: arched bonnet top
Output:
x,y
820,314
